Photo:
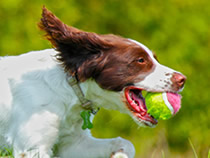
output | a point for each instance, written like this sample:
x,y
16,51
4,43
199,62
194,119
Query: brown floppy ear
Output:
x,y
75,46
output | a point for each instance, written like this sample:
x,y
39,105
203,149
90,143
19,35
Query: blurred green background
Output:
x,y
177,30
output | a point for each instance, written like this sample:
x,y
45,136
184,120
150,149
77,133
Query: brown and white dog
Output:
x,y
39,109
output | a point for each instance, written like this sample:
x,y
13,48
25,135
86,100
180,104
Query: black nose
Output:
x,y
178,80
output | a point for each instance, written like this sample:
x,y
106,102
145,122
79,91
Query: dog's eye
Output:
x,y
141,60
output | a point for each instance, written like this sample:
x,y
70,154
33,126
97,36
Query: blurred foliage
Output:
x,y
177,30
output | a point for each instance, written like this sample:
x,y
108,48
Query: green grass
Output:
x,y
6,152
193,148
163,154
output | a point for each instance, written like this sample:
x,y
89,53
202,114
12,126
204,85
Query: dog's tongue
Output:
x,y
175,100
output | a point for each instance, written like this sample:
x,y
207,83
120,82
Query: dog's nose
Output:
x,y
178,80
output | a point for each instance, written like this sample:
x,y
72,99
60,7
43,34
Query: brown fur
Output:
x,y
111,60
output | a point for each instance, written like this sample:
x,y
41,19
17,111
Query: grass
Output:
x,y
8,153
163,154
193,148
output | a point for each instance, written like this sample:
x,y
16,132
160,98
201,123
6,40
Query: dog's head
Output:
x,y
115,63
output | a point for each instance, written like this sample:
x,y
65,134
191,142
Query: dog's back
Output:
x,y
16,69
6,97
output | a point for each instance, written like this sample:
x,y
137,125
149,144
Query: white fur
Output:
x,y
38,109
160,79
119,155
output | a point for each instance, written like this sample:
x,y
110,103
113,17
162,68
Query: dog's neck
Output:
x,y
98,96
92,91
85,103
103,98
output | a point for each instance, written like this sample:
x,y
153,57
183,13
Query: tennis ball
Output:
x,y
162,105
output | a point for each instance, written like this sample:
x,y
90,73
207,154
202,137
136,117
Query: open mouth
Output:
x,y
136,104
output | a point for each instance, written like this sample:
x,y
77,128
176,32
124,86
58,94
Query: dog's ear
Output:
x,y
75,46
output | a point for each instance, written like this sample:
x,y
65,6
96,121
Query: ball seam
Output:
x,y
165,99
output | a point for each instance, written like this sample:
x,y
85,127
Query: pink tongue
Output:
x,y
175,101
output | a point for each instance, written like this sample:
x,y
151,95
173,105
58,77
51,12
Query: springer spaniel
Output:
x,y
40,111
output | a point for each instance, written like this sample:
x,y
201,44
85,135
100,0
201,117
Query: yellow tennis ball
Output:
x,y
162,105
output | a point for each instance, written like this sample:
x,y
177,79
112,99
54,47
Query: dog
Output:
x,y
40,109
